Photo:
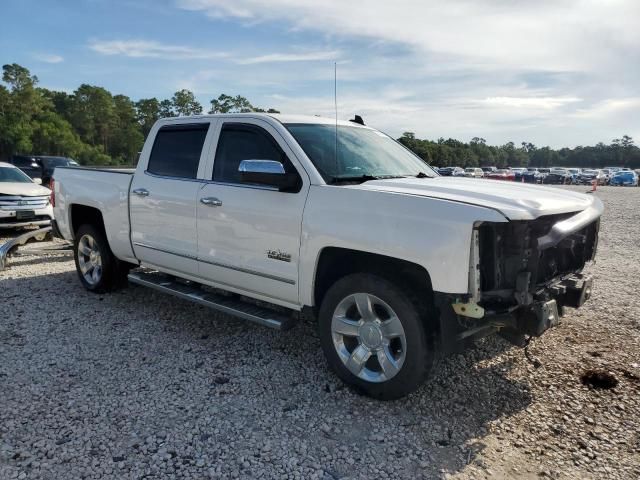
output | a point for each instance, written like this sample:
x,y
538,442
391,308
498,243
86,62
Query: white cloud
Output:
x,y
546,103
548,34
610,107
461,118
557,72
48,57
152,49
290,57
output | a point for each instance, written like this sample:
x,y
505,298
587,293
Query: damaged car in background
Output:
x,y
23,202
276,218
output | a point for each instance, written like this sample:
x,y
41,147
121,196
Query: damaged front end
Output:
x,y
523,274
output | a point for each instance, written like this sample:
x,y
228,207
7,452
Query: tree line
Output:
x,y
96,127
91,124
442,153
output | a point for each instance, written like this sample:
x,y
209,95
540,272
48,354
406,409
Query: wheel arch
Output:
x,y
336,262
83,214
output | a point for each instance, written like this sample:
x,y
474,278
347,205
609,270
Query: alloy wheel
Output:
x,y
368,337
89,259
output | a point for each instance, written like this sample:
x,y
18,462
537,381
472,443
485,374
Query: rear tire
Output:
x,y
376,336
97,267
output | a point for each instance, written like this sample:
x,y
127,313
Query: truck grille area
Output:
x,y
510,259
17,202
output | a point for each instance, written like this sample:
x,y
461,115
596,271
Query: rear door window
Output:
x,y
176,150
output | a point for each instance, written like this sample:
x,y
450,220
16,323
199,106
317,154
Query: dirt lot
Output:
x,y
140,385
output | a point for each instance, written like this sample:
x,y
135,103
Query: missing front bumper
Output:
x,y
514,323
535,319
573,290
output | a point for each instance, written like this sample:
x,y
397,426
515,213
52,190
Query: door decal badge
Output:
x,y
279,255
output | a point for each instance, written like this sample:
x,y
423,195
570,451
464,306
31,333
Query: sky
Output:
x,y
550,72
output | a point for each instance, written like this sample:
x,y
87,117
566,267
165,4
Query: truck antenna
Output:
x,y
335,104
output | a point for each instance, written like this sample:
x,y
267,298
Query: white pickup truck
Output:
x,y
277,218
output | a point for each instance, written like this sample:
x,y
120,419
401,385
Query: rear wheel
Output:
x,y
98,269
376,336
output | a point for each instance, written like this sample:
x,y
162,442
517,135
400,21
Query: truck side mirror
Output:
x,y
268,172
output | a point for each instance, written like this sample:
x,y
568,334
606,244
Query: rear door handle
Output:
x,y
211,202
141,192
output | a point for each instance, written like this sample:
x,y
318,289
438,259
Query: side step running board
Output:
x,y
194,292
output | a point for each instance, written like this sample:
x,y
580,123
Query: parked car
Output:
x,y
451,171
518,173
502,174
42,166
543,173
624,178
607,175
557,176
23,201
488,169
273,223
532,175
587,176
473,172
575,174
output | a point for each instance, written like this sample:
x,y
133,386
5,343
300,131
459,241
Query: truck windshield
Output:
x,y
13,175
362,153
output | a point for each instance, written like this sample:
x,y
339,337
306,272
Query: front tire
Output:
x,y
376,336
97,267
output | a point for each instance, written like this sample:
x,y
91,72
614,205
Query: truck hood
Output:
x,y
23,189
515,200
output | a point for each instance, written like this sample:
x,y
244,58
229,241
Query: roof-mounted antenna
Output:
x,y
335,104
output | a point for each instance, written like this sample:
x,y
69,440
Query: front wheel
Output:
x,y
98,268
376,336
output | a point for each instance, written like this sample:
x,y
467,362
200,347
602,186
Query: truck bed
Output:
x,y
104,189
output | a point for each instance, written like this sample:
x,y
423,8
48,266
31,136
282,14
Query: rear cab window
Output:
x,y
176,150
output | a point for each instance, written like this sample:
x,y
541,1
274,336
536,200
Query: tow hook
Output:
x,y
469,309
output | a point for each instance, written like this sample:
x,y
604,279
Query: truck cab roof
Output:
x,y
282,118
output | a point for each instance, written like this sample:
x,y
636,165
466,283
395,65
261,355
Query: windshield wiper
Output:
x,y
361,178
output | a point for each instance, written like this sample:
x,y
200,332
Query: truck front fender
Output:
x,y
432,233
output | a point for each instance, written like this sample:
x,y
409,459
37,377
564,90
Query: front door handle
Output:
x,y
141,192
211,202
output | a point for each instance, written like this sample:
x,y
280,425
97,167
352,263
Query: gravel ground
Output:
x,y
141,385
